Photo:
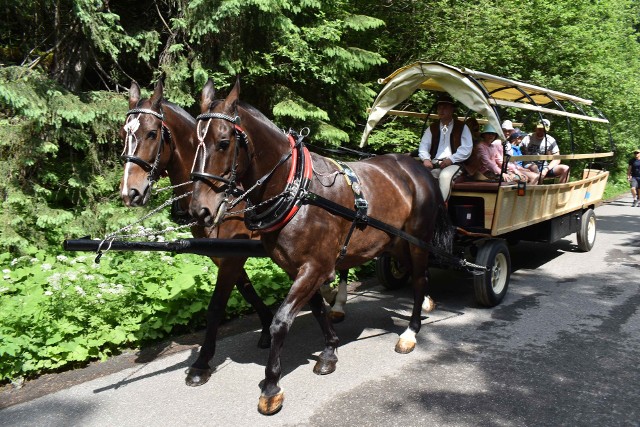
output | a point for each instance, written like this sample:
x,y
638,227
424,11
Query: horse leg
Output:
x,y
249,293
200,372
337,310
407,341
428,305
327,360
304,287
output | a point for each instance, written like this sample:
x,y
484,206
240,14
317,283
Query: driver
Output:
x,y
445,145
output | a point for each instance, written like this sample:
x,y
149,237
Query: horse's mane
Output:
x,y
257,114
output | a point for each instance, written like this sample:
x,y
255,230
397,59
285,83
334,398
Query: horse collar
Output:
x,y
287,203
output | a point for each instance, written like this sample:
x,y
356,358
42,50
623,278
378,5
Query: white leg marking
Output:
x,y
341,297
408,335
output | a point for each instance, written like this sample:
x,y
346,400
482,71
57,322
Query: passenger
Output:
x,y
540,143
474,128
515,139
489,154
445,145
633,175
508,130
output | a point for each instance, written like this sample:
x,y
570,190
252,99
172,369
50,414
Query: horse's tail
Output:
x,y
444,231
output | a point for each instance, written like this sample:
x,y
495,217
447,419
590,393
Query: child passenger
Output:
x,y
489,152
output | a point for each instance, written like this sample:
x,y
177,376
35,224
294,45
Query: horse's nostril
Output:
x,y
204,213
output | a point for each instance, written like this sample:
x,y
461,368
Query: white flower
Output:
x,y
88,277
99,296
61,258
6,271
48,293
14,261
46,267
71,275
3,289
80,291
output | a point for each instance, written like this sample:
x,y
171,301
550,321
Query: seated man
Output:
x,y
540,143
445,145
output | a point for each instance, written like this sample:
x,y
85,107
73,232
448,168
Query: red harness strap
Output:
x,y
306,175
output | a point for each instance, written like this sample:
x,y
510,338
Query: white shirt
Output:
x,y
444,147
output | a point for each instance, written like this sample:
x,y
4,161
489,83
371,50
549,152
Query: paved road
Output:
x,y
562,349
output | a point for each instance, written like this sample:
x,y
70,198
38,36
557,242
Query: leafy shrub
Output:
x,y
60,311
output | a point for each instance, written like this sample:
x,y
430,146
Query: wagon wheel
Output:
x,y
587,232
390,273
491,286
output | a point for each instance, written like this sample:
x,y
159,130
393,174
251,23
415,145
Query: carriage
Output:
x,y
312,224
490,215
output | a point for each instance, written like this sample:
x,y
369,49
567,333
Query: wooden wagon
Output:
x,y
489,215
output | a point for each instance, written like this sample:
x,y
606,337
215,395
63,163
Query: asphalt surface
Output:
x,y
563,348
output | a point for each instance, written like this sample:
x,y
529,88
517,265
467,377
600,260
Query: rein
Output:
x,y
131,127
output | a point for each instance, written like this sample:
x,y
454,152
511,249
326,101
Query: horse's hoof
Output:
x,y
264,341
325,366
197,376
269,405
428,304
404,346
336,316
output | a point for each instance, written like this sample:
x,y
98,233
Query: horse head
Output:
x,y
222,156
145,135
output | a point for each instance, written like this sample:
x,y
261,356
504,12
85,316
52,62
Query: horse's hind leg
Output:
x,y
200,372
407,341
249,293
337,310
327,360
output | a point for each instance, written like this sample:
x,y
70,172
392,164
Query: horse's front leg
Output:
x,y
200,372
407,341
303,289
249,293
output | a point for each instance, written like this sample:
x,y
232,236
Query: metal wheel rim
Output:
x,y
499,273
396,272
591,230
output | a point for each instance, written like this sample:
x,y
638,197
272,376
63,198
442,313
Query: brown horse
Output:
x,y
301,204
161,137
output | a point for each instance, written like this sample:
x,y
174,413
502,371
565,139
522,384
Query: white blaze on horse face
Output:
x,y
130,145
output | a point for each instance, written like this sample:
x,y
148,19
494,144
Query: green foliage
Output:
x,y
57,312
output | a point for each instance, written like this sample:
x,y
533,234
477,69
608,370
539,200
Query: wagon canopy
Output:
x,y
479,92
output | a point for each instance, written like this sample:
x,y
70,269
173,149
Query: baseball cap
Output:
x,y
544,123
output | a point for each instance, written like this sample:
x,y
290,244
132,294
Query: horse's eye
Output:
x,y
152,134
223,145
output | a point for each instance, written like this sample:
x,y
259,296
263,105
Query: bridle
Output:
x,y
128,154
230,185
279,208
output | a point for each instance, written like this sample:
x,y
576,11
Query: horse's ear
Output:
x,y
157,94
208,95
134,95
234,95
